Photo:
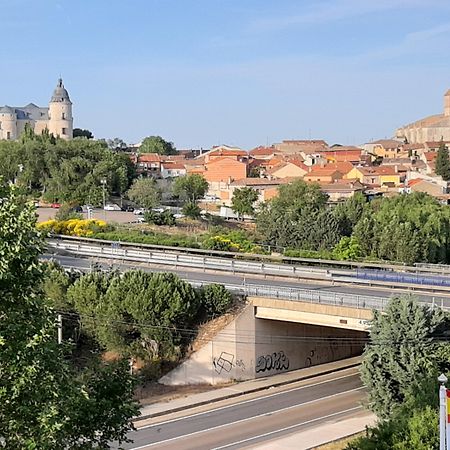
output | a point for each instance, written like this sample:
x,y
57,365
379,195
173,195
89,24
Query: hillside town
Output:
x,y
233,233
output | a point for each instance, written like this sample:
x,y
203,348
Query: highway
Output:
x,y
198,276
256,418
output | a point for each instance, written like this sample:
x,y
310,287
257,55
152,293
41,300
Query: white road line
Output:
x,y
247,401
289,428
245,420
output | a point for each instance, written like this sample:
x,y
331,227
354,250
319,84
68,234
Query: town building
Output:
x,y
431,128
57,118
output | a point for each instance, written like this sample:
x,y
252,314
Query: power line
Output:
x,y
241,335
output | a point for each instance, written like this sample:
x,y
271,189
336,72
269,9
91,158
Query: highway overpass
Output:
x,y
288,323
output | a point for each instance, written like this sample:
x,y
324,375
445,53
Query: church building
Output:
x,y
57,118
429,129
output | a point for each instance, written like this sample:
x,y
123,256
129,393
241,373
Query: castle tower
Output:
x,y
447,103
8,123
60,121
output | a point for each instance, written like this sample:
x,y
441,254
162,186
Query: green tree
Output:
x,y
298,218
350,212
243,201
137,313
443,162
80,133
156,144
402,349
44,402
190,187
145,192
215,301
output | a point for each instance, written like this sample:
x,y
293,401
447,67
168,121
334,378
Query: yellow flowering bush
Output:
x,y
73,227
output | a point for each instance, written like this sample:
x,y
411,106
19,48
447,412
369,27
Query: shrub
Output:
x,y
215,300
348,248
73,227
164,218
192,210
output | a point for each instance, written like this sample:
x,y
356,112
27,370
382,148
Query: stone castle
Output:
x,y
429,129
57,118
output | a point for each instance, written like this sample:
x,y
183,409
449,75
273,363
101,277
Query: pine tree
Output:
x,y
443,162
402,351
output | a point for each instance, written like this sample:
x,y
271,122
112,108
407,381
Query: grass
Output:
x,y
339,444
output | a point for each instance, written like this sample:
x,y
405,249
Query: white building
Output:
x,y
57,118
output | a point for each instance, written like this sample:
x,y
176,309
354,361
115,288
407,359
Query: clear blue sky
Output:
x,y
242,72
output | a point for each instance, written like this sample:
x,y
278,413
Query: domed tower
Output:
x,y
60,120
8,123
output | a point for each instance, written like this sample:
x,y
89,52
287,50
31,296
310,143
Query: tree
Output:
x,y
116,144
292,219
402,349
215,301
190,187
44,402
145,192
156,144
243,201
443,162
78,132
137,313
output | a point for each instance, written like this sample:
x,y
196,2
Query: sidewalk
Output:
x,y
242,388
323,434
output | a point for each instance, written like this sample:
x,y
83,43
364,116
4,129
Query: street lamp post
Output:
x,y
443,445
103,181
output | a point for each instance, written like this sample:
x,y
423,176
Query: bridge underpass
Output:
x,y
271,336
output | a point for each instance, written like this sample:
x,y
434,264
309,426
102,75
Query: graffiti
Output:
x,y
240,363
275,361
223,363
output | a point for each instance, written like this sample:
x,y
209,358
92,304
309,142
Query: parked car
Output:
x,y
56,205
179,216
112,207
77,209
158,210
139,211
128,209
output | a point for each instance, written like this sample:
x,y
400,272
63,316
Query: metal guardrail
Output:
x,y
303,295
112,250
187,260
324,263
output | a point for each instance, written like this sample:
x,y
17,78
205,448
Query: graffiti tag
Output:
x,y
275,361
223,363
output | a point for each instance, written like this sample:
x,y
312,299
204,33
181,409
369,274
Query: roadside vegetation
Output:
x,y
408,350
79,394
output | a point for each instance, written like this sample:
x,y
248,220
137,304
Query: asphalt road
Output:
x,y
248,421
199,276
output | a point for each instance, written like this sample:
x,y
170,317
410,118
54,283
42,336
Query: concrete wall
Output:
x,y
250,348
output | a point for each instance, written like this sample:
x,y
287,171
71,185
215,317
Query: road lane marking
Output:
x,y
245,420
289,428
249,401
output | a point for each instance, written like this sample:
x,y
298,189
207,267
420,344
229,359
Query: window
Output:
x,y
8,135
63,116
64,131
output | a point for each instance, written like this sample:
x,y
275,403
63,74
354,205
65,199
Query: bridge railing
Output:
x,y
304,295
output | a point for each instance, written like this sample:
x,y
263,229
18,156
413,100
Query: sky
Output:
x,y
239,72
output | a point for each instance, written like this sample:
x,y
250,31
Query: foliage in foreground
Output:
x,y
44,403
403,348
400,368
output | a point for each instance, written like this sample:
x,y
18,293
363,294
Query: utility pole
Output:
x,y
444,438
60,336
